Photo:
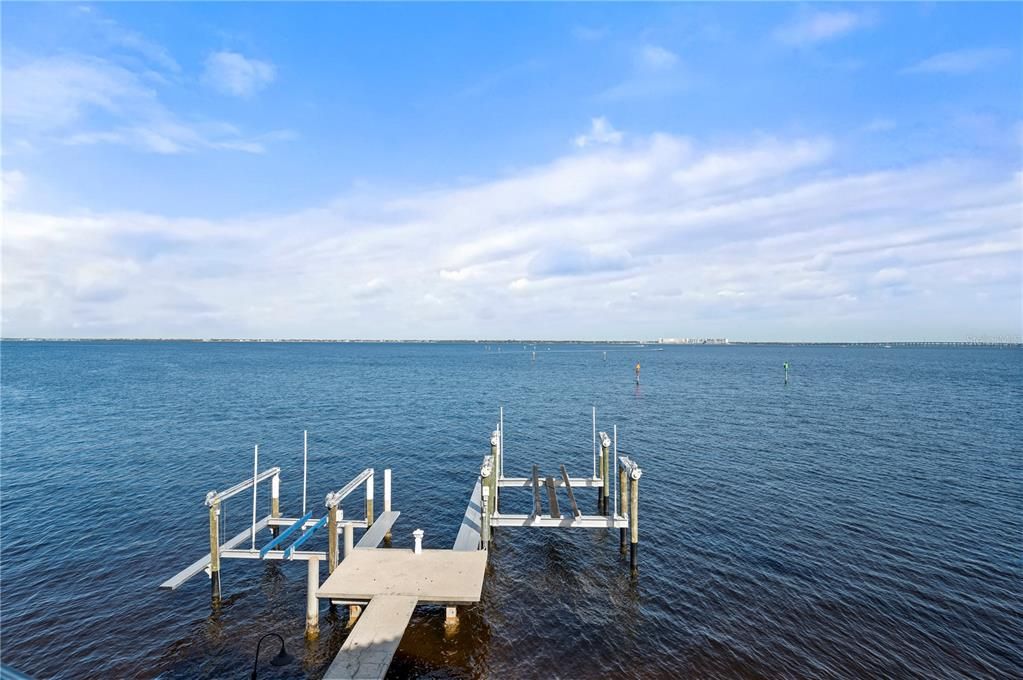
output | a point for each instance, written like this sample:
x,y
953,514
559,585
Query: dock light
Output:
x,y
282,658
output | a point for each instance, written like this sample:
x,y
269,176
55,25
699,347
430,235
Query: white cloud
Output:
x,y
890,276
234,74
960,62
54,92
656,72
656,57
13,185
764,239
601,132
820,26
82,100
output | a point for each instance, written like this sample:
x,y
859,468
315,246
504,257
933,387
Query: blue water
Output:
x,y
864,520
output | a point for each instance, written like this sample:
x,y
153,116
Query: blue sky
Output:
x,y
790,171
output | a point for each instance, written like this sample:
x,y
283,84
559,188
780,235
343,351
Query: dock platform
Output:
x,y
445,577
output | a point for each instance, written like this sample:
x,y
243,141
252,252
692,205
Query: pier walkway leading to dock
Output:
x,y
369,647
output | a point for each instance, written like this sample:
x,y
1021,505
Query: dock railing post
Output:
x,y
634,475
369,501
305,464
605,443
332,513
624,509
485,528
275,502
495,457
215,548
255,486
312,604
353,609
387,498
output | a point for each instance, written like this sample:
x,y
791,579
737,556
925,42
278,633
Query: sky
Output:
x,y
815,172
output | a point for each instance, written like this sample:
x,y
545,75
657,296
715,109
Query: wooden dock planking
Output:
x,y
374,536
571,494
371,644
552,497
447,577
537,508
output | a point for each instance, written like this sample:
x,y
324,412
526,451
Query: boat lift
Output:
x,y
289,534
612,514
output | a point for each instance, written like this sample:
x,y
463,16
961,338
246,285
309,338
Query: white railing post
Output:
x,y
418,535
255,485
369,501
305,464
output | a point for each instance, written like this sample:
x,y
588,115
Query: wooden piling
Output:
x,y
312,604
349,539
332,512
623,509
387,499
633,518
485,522
495,457
602,493
353,609
275,502
369,502
215,549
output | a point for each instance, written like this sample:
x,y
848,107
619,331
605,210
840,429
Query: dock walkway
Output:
x,y
367,652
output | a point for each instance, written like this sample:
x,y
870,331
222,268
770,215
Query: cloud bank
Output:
x,y
654,236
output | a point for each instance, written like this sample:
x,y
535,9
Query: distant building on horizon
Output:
x,y
692,341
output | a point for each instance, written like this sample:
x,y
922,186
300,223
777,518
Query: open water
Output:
x,y
863,520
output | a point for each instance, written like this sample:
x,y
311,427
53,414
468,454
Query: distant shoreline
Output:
x,y
631,343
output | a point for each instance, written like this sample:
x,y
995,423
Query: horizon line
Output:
x,y
693,342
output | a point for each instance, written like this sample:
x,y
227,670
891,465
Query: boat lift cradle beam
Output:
x,y
219,497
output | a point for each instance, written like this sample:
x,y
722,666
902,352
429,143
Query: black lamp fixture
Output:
x,y
282,658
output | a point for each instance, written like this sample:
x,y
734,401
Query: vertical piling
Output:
x,y
634,515
602,493
369,502
275,502
353,609
305,464
312,604
349,539
255,476
387,498
332,513
215,549
485,528
496,470
624,509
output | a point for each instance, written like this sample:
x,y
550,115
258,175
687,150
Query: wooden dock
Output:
x,y
448,577
389,583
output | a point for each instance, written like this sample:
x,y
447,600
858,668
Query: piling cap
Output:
x,y
494,439
209,498
635,472
605,441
